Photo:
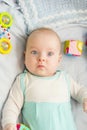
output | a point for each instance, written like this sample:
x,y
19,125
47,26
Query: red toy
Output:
x,y
22,127
86,43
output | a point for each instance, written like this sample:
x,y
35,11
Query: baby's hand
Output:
x,y
10,127
85,105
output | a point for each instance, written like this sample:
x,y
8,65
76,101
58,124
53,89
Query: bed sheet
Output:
x,y
12,64
77,67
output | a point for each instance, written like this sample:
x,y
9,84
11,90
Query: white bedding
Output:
x,y
12,63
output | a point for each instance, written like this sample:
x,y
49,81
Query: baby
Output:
x,y
42,92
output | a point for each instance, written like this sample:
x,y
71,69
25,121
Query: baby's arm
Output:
x,y
79,93
12,107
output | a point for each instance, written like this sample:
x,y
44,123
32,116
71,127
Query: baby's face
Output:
x,y
42,55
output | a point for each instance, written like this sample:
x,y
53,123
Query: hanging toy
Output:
x,y
5,46
22,127
6,20
5,24
4,32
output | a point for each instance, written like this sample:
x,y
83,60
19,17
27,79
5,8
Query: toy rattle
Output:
x,y
22,127
5,46
4,32
6,19
5,24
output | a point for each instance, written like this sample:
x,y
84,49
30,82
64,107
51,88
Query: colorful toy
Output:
x,y
73,47
86,43
4,32
5,24
6,20
22,127
5,46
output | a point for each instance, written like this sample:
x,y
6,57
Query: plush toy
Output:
x,y
22,127
73,47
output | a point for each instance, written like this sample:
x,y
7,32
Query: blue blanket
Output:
x,y
53,13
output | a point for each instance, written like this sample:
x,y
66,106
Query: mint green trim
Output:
x,y
56,75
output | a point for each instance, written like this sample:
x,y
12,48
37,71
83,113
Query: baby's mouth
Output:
x,y
41,66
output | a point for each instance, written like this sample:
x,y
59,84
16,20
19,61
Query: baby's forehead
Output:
x,y
43,33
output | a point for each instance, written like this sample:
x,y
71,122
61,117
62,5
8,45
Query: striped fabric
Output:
x,y
53,13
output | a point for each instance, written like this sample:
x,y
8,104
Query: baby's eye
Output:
x,y
50,53
34,52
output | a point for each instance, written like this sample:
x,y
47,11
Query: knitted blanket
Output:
x,y
53,13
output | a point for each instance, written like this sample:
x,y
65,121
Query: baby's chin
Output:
x,y
43,74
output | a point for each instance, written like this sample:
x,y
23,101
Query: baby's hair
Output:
x,y
43,29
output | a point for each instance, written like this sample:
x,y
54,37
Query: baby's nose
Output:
x,y
41,59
